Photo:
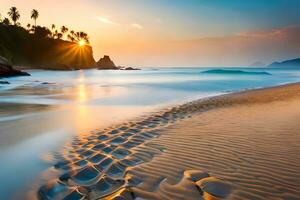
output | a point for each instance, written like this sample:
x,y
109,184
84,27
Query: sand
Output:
x,y
237,146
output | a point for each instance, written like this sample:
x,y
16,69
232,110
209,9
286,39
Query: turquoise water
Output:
x,y
39,113
145,87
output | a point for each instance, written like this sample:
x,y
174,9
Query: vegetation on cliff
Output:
x,y
41,47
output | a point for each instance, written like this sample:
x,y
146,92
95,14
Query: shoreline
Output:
x,y
110,156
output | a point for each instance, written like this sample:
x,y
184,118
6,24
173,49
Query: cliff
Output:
x,y
287,63
23,48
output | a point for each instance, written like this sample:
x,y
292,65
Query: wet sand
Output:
x,y
237,146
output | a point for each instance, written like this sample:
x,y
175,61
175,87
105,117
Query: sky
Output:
x,y
177,33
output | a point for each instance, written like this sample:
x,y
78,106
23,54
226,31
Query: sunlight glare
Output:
x,y
81,43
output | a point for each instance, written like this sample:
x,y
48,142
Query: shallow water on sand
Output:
x,y
39,113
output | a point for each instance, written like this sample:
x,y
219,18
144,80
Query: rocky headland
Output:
x,y
6,70
39,48
43,48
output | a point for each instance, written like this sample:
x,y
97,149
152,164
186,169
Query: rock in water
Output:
x,y
106,63
214,187
6,70
4,82
131,68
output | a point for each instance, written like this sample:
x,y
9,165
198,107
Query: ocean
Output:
x,y
39,113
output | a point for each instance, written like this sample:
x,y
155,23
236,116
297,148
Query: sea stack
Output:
x,y
106,63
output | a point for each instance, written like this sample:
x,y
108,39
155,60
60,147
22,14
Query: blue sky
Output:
x,y
212,17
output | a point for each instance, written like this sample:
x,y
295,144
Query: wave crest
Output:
x,y
233,71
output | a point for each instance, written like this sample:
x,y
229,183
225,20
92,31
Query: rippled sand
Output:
x,y
238,146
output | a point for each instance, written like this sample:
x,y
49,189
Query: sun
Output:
x,y
81,43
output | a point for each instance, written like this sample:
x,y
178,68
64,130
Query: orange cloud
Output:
x,y
138,26
106,20
279,33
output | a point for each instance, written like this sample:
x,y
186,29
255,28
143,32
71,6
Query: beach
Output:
x,y
40,113
243,145
149,100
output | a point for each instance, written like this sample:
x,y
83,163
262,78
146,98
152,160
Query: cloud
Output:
x,y
106,20
284,32
138,26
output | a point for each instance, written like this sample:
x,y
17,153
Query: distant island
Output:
x,y
40,47
233,71
287,63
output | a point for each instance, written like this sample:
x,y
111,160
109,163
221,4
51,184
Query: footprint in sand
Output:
x,y
96,167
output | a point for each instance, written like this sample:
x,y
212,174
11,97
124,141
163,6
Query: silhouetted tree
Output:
x,y
14,14
42,32
64,29
54,32
6,21
34,15
59,35
28,27
81,36
71,38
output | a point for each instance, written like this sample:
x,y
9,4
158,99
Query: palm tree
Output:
x,y
55,34
53,30
82,36
72,33
34,15
63,30
28,26
71,38
59,36
6,21
14,14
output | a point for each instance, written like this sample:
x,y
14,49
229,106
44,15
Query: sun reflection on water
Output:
x,y
81,89
82,94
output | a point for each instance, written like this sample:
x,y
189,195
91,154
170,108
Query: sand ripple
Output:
x,y
254,156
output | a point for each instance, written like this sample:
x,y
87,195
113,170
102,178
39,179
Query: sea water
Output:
x,y
39,113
